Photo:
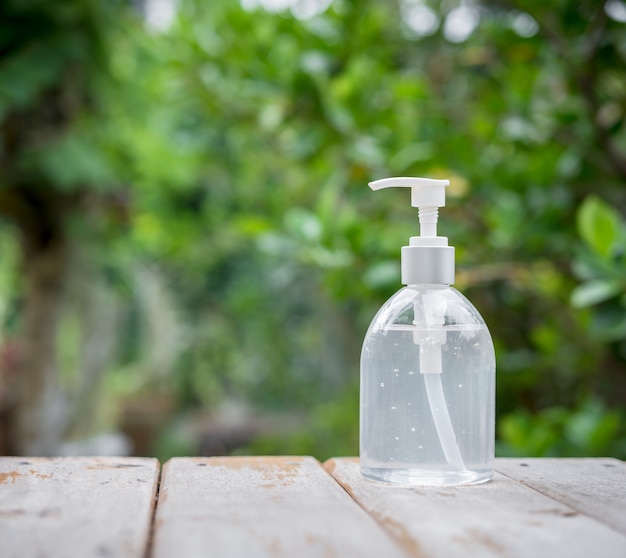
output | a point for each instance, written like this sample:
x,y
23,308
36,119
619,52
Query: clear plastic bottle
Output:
x,y
427,367
420,427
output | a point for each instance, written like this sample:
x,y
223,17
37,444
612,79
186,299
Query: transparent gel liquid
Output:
x,y
399,438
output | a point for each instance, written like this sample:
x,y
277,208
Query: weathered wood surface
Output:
x,y
595,487
260,506
76,507
499,518
290,506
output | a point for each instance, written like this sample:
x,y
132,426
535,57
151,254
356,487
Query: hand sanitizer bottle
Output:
x,y
427,367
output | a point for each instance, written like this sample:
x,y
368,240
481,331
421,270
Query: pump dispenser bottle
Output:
x,y
427,367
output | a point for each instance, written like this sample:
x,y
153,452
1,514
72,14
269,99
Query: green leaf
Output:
x,y
592,427
24,75
74,161
303,224
598,225
610,325
383,274
594,292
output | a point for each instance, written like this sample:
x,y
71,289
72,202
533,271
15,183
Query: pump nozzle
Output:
x,y
425,192
428,258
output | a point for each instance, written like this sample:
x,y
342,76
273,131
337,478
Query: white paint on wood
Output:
x,y
258,507
499,518
76,507
595,487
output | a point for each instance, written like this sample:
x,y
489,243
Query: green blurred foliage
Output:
x,y
240,141
601,266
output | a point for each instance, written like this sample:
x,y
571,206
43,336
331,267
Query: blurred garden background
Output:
x,y
189,252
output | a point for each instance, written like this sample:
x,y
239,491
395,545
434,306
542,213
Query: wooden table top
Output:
x,y
297,507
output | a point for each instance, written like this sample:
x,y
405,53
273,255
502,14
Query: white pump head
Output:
x,y
427,194
428,258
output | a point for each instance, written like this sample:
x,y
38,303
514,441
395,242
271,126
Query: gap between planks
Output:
x,y
155,502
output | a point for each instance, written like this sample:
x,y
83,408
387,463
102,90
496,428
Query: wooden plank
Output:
x,y
76,507
499,518
595,487
260,507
